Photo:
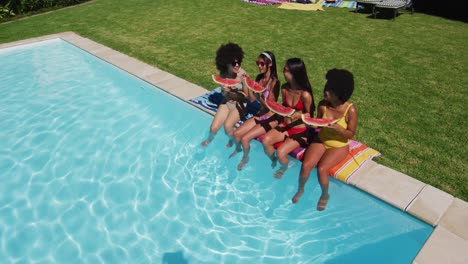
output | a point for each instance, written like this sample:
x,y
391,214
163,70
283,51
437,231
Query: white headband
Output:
x,y
267,55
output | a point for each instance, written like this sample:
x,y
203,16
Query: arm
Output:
x,y
274,90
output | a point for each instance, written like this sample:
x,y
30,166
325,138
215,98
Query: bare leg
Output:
x,y
231,120
282,152
256,131
217,123
273,136
311,157
240,132
330,158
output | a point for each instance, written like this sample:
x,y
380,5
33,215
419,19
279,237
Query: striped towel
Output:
x,y
340,3
265,2
205,102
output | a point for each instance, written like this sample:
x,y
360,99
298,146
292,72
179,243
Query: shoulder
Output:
x,y
322,105
306,95
352,108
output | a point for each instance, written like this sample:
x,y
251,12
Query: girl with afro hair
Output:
x,y
332,143
228,61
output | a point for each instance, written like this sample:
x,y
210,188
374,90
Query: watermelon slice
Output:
x,y
279,109
223,81
318,122
254,86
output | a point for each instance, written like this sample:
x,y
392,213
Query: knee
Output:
x,y
229,130
267,140
307,166
214,128
282,154
322,171
237,135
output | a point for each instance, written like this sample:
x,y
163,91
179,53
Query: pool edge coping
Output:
x,y
433,206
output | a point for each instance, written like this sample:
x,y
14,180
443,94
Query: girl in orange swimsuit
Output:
x,y
292,132
331,145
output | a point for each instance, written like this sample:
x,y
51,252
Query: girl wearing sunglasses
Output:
x,y
262,121
292,132
228,62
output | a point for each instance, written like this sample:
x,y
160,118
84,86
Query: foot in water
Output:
x,y
297,196
322,203
279,173
274,160
242,163
230,143
206,142
237,150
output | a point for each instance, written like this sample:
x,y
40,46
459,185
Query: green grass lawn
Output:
x,y
411,73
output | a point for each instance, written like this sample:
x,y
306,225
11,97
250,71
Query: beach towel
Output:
x,y
265,2
358,154
305,7
340,3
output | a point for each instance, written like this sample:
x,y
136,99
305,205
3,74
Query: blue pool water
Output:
x,y
97,166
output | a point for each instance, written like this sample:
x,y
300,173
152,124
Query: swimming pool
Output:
x,y
99,166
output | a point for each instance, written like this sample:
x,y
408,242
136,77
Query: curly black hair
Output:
x,y
341,83
226,54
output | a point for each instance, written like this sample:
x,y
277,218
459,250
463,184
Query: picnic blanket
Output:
x,y
340,3
305,7
358,154
265,2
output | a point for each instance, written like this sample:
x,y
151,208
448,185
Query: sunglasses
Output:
x,y
260,63
285,70
236,62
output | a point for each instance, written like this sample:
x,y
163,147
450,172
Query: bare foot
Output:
x,y
297,196
322,203
242,163
279,173
205,143
230,143
237,150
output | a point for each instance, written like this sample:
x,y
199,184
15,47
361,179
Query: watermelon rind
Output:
x,y
254,86
224,81
318,122
279,109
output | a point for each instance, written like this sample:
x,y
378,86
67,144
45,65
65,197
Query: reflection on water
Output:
x,y
96,169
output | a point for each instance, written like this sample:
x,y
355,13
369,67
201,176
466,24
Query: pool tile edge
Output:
x,y
443,247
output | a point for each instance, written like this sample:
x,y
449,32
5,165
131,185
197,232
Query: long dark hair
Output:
x,y
298,70
269,57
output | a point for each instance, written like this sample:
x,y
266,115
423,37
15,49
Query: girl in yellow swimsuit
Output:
x,y
331,145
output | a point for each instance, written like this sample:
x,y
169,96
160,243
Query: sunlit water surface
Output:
x,y
99,166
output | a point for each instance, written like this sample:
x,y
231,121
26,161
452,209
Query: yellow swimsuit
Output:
x,y
330,137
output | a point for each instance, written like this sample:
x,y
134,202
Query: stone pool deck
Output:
x,y
449,215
